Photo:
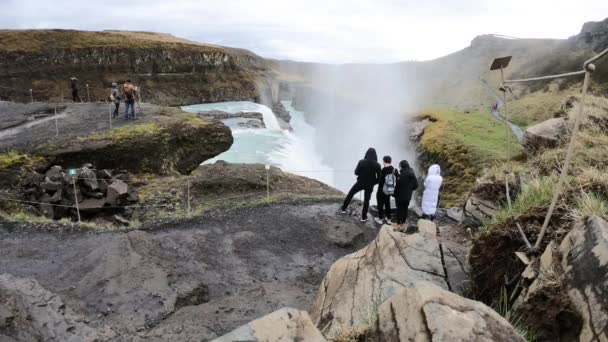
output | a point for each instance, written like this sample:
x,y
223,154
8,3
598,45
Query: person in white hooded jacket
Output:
x,y
430,197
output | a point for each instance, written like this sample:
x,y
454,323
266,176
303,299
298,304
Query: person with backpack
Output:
x,y
115,97
406,184
368,174
129,90
386,189
75,86
430,196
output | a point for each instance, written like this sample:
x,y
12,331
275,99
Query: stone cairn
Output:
x,y
97,191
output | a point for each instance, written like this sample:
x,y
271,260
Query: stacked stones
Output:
x,y
59,189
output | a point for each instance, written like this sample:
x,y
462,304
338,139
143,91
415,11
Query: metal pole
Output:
x,y
506,117
188,193
32,95
56,126
268,183
88,97
139,101
74,178
564,173
61,95
110,110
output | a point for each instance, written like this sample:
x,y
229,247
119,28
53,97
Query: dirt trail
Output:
x,y
192,280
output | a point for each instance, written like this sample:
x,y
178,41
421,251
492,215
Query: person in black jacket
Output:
x,y
406,185
383,195
75,89
368,174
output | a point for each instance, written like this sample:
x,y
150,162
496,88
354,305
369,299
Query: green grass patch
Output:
x,y
14,159
464,144
588,205
535,194
128,132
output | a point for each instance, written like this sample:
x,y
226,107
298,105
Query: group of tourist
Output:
x,y
129,90
399,184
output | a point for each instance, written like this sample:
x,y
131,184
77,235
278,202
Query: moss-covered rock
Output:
x,y
180,144
14,163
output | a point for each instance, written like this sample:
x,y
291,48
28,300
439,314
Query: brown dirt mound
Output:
x,y
492,257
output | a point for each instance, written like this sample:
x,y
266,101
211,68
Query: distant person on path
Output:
x,y
368,174
386,189
115,97
430,197
129,89
406,185
495,106
75,89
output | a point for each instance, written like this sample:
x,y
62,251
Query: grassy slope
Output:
x,y
40,40
464,144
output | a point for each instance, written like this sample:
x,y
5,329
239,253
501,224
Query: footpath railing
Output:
x,y
59,102
587,69
185,201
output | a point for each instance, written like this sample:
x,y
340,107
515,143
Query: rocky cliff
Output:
x,y
169,70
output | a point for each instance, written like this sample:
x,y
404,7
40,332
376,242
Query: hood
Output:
x,y
404,164
434,170
371,154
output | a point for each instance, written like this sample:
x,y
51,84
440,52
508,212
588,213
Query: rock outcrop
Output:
x,y
179,145
282,325
28,312
170,70
358,283
544,135
567,287
427,312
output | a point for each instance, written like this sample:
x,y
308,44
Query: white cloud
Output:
x,y
318,30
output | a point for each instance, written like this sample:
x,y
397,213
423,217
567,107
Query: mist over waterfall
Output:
x,y
354,107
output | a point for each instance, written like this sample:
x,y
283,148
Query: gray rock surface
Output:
x,y
478,209
427,312
567,295
546,134
282,325
358,283
28,312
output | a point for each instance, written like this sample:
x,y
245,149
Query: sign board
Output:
x,y
500,63
72,172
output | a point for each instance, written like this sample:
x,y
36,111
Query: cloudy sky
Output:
x,y
334,31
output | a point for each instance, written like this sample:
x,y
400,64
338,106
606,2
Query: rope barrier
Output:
x,y
588,68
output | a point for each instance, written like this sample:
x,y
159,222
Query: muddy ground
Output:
x,y
33,124
193,280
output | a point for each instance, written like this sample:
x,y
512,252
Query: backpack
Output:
x,y
390,182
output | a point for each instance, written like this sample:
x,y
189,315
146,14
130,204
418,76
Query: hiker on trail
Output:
x,y
386,189
115,97
368,174
75,89
495,106
406,185
430,197
129,89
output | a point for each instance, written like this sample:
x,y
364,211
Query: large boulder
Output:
x,y
427,312
358,283
28,312
116,191
567,294
286,324
546,134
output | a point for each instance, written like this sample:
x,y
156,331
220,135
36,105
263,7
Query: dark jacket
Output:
x,y
386,171
74,85
406,184
368,170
